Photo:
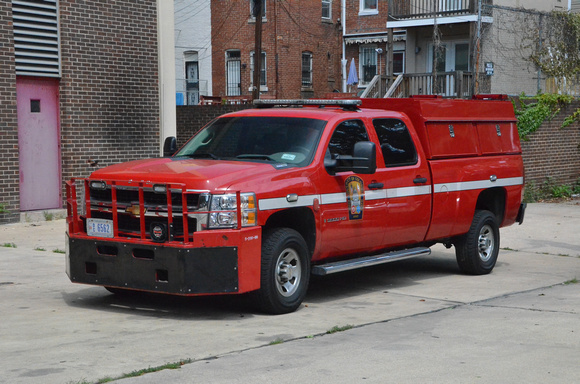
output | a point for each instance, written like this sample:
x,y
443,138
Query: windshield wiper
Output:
x,y
205,155
255,156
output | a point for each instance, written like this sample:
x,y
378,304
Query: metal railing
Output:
x,y
424,9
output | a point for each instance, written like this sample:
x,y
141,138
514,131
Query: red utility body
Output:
x,y
260,199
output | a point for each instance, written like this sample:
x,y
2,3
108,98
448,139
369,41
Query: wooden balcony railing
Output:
x,y
424,9
447,84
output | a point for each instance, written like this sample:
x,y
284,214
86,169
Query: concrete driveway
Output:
x,y
412,321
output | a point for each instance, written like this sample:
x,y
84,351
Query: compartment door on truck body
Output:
x,y
351,211
407,182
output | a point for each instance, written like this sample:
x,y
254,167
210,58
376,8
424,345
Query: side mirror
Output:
x,y
364,158
169,146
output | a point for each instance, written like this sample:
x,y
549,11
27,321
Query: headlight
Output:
x,y
223,202
224,210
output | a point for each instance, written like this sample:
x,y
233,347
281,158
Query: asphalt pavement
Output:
x,y
413,321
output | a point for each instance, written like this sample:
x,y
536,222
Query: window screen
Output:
x,y
396,143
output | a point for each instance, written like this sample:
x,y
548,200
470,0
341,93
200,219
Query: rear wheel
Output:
x,y
477,250
285,271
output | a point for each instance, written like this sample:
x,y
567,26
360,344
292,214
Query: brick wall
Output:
x,y
9,169
553,151
290,28
191,118
361,24
109,94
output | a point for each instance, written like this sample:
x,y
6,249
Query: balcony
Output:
x,y
423,9
411,13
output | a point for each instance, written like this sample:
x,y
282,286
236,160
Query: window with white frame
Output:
x,y
263,83
327,9
367,63
398,62
252,6
306,69
369,7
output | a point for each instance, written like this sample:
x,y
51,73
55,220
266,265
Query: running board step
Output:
x,y
367,261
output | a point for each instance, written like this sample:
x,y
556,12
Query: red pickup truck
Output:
x,y
260,199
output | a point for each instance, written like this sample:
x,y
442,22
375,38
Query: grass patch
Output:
x,y
40,249
137,373
48,216
549,190
336,329
9,245
58,251
277,341
573,281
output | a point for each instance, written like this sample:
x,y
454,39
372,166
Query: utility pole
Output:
x,y
478,50
436,43
539,88
257,13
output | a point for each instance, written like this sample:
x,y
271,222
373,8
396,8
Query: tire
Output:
x,y
477,250
285,271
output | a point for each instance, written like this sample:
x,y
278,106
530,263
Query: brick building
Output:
x,y
301,48
365,39
87,75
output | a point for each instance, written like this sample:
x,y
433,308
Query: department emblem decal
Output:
x,y
355,195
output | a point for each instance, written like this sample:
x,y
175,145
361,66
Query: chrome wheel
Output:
x,y
477,250
486,243
288,272
285,271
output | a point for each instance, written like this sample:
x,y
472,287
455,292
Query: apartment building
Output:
x,y
301,48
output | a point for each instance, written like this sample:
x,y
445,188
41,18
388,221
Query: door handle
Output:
x,y
420,180
376,186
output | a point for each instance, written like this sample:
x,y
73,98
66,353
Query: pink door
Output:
x,y
39,143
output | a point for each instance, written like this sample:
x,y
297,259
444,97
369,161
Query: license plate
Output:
x,y
100,227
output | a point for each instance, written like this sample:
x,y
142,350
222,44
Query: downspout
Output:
x,y
166,73
343,25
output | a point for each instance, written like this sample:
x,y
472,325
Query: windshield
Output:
x,y
284,140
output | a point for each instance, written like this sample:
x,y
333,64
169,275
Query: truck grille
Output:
x,y
131,196
155,206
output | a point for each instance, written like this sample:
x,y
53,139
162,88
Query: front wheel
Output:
x,y
285,271
477,250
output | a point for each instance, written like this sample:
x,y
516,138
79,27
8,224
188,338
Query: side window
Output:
x,y
396,143
345,136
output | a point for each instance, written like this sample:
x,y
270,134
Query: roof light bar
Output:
x,y
346,104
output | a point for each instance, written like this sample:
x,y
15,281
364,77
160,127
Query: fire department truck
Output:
x,y
261,199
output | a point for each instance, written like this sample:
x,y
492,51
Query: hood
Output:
x,y
198,174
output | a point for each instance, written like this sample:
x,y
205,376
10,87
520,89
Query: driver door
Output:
x,y
352,206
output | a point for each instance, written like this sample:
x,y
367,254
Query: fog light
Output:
x,y
159,188
97,184
158,232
